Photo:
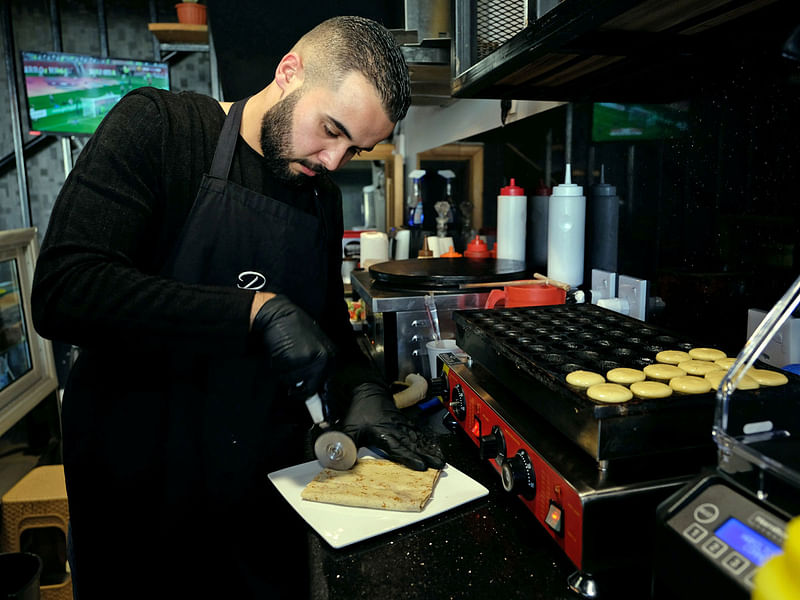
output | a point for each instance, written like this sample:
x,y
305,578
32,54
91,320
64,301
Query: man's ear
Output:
x,y
289,73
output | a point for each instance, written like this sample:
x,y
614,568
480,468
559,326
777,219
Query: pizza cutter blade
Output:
x,y
334,449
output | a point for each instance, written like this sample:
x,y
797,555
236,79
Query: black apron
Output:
x,y
203,432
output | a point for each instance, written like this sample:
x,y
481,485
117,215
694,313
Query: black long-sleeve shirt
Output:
x,y
118,216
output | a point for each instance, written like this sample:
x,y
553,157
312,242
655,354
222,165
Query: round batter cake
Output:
x,y
725,363
690,384
584,379
711,354
745,383
672,357
661,372
698,367
767,377
612,393
625,376
651,389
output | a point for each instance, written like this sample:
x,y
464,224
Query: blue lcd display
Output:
x,y
747,542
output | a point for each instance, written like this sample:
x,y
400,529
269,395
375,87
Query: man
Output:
x,y
194,255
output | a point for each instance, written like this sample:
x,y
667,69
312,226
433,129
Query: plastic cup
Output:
x,y
437,347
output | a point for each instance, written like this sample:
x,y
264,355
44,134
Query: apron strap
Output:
x,y
226,145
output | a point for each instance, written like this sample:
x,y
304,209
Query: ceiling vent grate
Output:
x,y
497,21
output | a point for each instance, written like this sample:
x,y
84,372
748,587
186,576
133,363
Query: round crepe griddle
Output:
x,y
444,273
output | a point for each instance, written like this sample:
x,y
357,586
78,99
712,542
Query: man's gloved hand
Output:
x,y
299,351
374,420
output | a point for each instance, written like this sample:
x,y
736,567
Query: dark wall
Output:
x,y
712,217
251,36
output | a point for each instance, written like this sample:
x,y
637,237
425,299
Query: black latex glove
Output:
x,y
299,351
374,420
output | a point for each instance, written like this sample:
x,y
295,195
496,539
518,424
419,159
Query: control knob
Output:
x,y
518,475
458,402
439,387
493,445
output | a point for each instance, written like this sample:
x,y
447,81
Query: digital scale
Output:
x,y
714,534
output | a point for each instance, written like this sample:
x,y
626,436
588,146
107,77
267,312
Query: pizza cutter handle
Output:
x,y
314,406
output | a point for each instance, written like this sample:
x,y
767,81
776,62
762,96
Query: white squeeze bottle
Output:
x,y
512,207
566,224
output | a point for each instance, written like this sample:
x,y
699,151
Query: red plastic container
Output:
x,y
477,248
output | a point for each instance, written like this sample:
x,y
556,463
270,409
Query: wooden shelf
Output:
x,y
179,33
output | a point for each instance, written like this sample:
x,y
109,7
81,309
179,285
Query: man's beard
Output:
x,y
276,132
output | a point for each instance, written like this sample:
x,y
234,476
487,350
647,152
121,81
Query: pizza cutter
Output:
x,y
334,449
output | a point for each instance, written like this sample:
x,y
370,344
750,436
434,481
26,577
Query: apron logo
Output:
x,y
251,280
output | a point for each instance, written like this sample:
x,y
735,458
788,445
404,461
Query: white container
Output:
x,y
374,248
435,348
512,208
401,244
566,226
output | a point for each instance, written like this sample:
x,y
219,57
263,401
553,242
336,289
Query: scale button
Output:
x,y
706,512
735,562
695,533
715,546
749,579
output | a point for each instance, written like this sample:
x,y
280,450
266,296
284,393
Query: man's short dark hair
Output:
x,y
340,45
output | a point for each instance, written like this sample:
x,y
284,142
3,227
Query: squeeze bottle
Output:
x,y
566,224
512,206
603,225
414,209
536,244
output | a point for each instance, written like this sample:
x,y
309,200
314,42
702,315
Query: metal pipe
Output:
x,y
154,19
630,180
568,136
16,121
102,28
66,155
55,32
548,157
55,25
216,90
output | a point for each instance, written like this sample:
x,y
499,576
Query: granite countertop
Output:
x,y
491,547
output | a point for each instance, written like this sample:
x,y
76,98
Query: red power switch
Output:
x,y
476,428
554,518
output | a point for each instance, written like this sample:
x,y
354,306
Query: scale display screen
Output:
x,y
747,542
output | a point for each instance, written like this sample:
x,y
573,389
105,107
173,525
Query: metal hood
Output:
x,y
426,45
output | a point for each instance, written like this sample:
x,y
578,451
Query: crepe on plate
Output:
x,y
374,483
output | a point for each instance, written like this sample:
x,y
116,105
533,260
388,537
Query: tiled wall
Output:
x,y
128,37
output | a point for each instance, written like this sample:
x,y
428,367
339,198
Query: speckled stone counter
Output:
x,y
491,547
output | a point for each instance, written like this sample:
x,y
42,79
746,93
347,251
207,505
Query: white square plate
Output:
x,y
344,525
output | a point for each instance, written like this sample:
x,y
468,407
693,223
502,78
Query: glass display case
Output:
x,y
27,366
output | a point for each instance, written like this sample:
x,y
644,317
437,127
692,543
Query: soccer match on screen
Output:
x,y
71,93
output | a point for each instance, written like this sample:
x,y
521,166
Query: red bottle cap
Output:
x,y
512,190
477,248
542,190
451,254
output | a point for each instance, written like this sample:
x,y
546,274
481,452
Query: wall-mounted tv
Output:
x,y
69,94
615,122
